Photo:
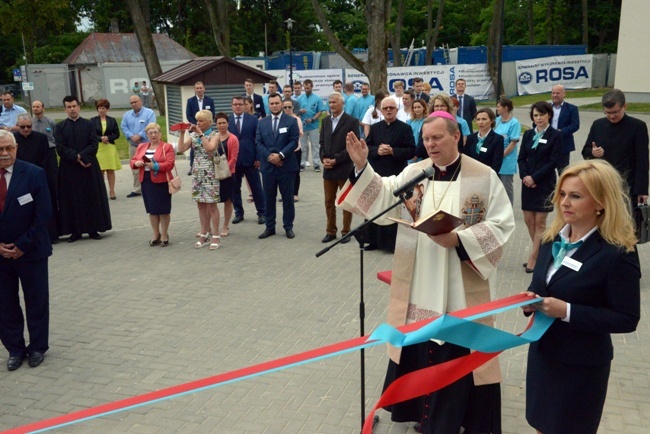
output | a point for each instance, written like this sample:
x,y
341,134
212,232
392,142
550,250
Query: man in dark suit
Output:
x,y
276,140
467,105
336,161
194,104
566,119
258,101
244,127
25,246
418,88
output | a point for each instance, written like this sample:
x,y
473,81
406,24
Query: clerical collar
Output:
x,y
449,172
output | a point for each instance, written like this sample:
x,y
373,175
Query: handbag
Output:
x,y
642,223
221,168
174,183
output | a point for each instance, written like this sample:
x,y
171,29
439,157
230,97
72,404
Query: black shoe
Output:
x,y
290,233
529,270
417,427
261,220
155,242
94,235
267,233
189,173
238,219
14,362
316,168
133,194
370,247
328,238
302,168
74,237
345,240
35,359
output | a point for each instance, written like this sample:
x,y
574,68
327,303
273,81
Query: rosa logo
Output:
x,y
525,77
357,86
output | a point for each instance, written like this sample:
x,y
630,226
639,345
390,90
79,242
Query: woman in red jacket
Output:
x,y
155,159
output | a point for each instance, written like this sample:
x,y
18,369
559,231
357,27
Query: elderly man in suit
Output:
x,y
336,161
25,246
244,127
566,120
467,105
195,104
276,140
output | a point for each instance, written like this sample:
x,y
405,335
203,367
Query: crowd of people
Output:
x,y
585,265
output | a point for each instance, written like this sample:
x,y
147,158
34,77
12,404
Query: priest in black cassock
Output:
x,y
83,202
34,148
622,141
390,145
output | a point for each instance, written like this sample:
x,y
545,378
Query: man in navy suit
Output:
x,y
244,127
467,105
258,101
194,104
25,209
276,140
566,119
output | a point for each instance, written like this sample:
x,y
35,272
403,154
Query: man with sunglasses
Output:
x,y
390,145
34,148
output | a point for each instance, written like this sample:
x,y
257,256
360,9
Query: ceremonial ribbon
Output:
x,y
560,249
455,327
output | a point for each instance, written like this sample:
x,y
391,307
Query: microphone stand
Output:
x,y
358,233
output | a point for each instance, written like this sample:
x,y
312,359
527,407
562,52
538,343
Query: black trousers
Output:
x,y
33,277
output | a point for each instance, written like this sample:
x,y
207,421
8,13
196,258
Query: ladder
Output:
x,y
445,52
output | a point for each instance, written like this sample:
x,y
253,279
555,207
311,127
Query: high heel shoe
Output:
x,y
155,242
213,245
200,244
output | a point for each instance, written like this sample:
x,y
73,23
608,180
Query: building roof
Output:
x,y
213,70
123,47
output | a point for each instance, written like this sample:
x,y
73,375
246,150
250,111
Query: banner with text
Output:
x,y
540,75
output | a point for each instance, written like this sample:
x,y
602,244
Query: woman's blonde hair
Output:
x,y
445,100
204,115
608,189
151,126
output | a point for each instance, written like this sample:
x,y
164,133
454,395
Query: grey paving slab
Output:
x,y
129,319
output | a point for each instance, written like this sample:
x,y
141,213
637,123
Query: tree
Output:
x,y
377,13
495,45
219,24
139,9
432,32
396,36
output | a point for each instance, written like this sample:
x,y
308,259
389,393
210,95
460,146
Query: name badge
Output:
x,y
571,263
257,106
207,107
483,149
283,130
25,199
542,140
142,121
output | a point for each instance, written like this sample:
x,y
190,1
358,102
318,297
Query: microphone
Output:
x,y
426,173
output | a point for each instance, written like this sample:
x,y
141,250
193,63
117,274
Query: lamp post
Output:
x,y
290,24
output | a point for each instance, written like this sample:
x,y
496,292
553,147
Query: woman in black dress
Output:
x,y
485,145
588,274
540,151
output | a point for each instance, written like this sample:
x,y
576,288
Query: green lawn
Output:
x,y
632,107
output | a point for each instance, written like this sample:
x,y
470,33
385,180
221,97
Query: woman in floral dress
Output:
x,y
205,187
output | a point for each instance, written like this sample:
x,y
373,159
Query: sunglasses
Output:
x,y
24,127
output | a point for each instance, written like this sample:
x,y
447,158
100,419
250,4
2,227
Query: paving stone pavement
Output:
x,y
127,319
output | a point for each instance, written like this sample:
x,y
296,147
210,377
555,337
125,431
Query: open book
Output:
x,y
434,223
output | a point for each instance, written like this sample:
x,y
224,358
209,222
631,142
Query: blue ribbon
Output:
x,y
560,249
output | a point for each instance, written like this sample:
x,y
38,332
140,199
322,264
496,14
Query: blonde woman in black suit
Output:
x,y
540,151
588,276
